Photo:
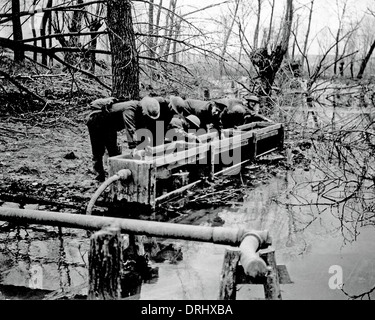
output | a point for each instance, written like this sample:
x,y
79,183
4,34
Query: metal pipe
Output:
x,y
251,262
123,174
218,235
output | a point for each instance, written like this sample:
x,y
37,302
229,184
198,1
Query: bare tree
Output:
x,y
125,60
268,63
74,27
46,19
94,22
170,29
341,17
296,28
365,61
19,54
256,32
304,52
227,34
368,55
176,35
271,22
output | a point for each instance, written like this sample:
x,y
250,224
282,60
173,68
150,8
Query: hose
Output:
x,y
123,174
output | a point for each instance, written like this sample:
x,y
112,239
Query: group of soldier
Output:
x,y
146,122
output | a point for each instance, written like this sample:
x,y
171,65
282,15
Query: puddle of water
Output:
x,y
60,262
311,256
34,262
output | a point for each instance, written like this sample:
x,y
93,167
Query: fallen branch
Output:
x,y
51,52
21,86
37,76
12,130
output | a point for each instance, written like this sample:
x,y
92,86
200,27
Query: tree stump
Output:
x,y
105,265
272,284
228,283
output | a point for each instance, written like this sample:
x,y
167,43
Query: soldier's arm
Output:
x,y
103,103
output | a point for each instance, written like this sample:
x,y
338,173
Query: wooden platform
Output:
x,y
179,165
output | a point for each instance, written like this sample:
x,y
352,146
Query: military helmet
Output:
x,y
194,120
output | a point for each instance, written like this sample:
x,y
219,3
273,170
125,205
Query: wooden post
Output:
x,y
105,264
272,284
228,283
131,278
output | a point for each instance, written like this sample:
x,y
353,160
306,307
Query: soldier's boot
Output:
x,y
99,169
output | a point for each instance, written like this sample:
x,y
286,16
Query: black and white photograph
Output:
x,y
186,156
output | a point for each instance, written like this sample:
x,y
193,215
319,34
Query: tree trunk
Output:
x,y
177,33
341,18
171,29
256,32
157,24
125,60
150,38
336,51
307,35
50,39
105,265
271,22
164,40
43,26
268,64
75,26
296,28
226,39
33,30
365,61
93,44
19,53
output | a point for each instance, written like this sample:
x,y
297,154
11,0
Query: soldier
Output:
x,y
206,111
103,127
236,112
145,122
253,103
184,129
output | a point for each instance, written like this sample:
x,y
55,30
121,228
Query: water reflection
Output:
x,y
40,260
306,240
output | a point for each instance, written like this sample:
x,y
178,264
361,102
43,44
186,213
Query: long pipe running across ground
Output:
x,y
249,241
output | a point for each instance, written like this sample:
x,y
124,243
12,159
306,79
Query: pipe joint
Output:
x,y
263,238
124,174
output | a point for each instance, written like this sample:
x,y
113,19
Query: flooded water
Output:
x,y
50,261
311,256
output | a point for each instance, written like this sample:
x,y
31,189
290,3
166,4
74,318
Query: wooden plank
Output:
x,y
177,192
139,188
267,129
183,157
266,152
242,278
253,125
227,171
267,134
238,140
